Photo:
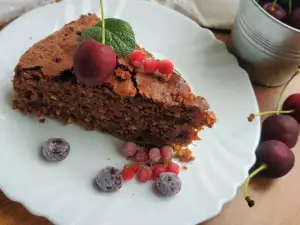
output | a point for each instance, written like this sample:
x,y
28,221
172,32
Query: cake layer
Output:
x,y
132,105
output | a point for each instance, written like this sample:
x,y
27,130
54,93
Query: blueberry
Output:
x,y
168,184
56,149
109,179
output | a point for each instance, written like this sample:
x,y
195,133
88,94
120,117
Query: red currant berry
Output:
x,y
173,167
142,156
137,58
145,174
150,65
154,154
166,152
165,66
127,173
157,170
135,167
129,149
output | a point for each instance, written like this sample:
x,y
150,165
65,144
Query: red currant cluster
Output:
x,y
151,65
148,163
279,135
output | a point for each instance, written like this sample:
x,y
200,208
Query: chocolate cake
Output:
x,y
132,105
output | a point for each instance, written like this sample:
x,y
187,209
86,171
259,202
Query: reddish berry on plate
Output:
x,y
128,173
137,58
145,174
173,167
135,167
142,156
150,65
157,170
166,152
165,66
154,155
129,149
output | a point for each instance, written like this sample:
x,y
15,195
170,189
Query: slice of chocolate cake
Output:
x,y
131,104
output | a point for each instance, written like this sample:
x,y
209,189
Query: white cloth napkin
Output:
x,y
209,13
219,14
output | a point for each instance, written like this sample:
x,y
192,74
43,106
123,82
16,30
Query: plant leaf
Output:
x,y
118,34
92,33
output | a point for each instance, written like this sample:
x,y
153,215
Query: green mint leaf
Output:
x,y
92,33
118,34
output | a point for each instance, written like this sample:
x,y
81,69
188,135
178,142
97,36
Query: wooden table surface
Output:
x,y
277,201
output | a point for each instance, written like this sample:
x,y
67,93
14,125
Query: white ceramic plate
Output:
x,y
64,192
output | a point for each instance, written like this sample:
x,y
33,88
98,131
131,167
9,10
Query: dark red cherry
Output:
x,y
274,159
94,62
275,10
294,18
277,156
293,103
282,128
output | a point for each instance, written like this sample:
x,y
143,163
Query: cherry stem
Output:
x,y
274,3
252,116
103,21
248,198
290,6
283,90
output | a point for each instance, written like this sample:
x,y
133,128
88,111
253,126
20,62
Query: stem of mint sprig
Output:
x,y
103,21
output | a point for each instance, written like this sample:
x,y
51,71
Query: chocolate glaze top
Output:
x,y
54,54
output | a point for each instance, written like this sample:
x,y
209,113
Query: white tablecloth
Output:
x,y
209,13
10,9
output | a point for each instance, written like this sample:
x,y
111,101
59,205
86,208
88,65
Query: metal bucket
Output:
x,y
269,48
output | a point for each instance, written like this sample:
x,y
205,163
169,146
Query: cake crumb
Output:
x,y
180,96
185,155
122,74
165,77
185,167
68,121
211,119
42,120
